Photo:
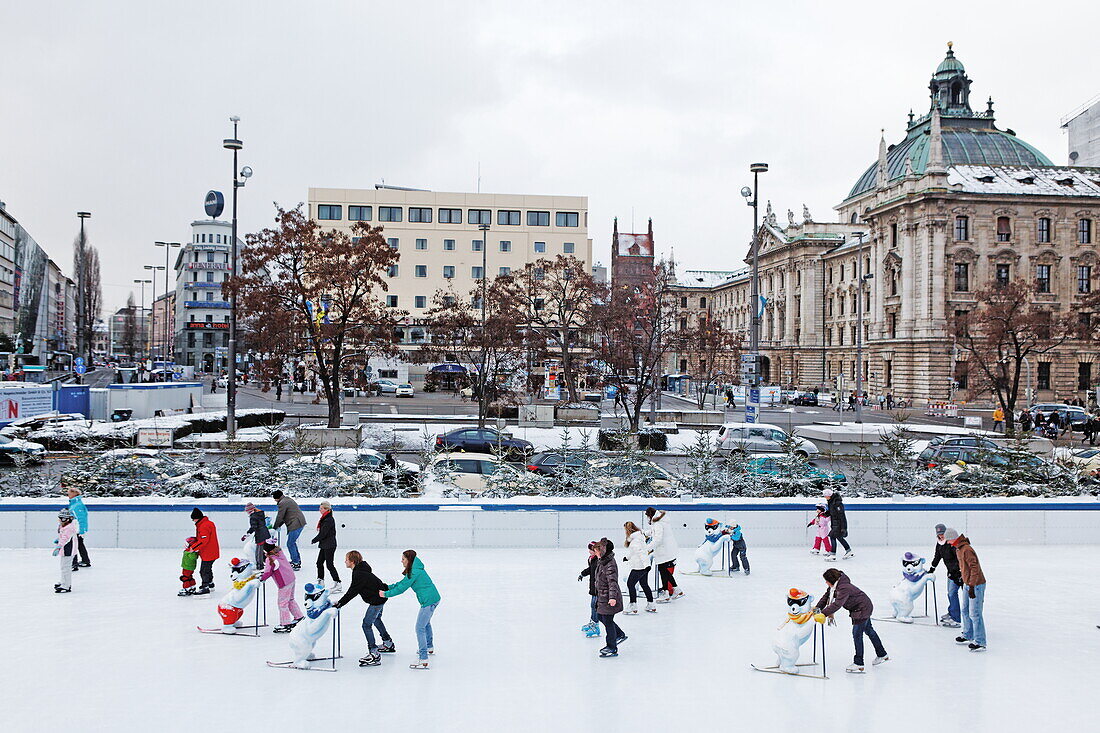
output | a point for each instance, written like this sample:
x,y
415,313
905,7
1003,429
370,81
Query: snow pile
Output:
x,y
66,436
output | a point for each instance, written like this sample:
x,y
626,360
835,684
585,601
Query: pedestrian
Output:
x,y
842,594
278,389
1025,421
665,550
609,597
366,585
637,558
852,402
998,419
945,552
821,536
66,549
213,385
838,525
277,566
738,549
76,506
973,601
889,402
416,577
592,628
257,527
290,516
188,563
326,547
206,544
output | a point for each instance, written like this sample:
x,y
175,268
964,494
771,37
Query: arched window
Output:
x,y
1004,229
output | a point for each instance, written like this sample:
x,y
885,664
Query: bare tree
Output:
x,y
713,355
130,328
999,336
86,267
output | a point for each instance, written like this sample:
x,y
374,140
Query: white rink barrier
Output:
x,y
472,525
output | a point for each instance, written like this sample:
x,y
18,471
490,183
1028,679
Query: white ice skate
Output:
x,y
632,609
678,594
662,597
815,552
854,669
650,608
849,554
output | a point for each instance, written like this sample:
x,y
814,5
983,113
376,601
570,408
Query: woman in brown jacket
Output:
x,y
609,597
973,601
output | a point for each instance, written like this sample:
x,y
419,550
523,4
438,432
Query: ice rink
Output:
x,y
121,652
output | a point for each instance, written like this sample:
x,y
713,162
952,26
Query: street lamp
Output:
x,y
141,312
861,276
234,143
80,329
484,227
153,300
167,335
752,196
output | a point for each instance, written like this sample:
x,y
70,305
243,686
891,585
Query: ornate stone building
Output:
x,y
955,205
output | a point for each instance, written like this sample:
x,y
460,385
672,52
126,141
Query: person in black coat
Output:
x,y
838,525
326,544
366,585
945,553
590,571
257,527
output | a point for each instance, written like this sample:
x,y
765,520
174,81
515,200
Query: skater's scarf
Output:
x,y
800,618
238,584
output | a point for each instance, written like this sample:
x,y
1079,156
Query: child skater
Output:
x,y
66,550
188,564
823,526
276,565
592,628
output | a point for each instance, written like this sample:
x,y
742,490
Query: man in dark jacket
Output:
x,y
609,597
257,527
842,594
945,552
366,585
290,515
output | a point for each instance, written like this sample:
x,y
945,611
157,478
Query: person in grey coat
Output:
x,y
290,516
609,597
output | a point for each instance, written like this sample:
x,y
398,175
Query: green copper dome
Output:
x,y
950,66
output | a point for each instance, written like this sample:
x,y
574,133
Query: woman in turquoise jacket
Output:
x,y
414,576
76,506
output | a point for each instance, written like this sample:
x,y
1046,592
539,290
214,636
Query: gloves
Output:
x,y
55,551
819,617
580,577
626,559
244,537
970,591
931,569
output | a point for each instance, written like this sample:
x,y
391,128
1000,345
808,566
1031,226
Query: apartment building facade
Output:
x,y
200,317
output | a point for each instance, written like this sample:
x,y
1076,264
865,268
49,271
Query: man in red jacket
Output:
x,y
206,544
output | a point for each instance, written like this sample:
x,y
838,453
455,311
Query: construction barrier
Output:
x,y
942,409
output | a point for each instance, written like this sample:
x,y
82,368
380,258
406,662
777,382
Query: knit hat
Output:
x,y
950,535
65,514
827,492
940,529
196,513
250,507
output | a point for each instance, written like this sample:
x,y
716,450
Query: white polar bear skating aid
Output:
x,y
245,581
914,578
307,632
718,538
795,631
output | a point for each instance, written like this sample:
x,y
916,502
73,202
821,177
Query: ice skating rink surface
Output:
x,y
121,652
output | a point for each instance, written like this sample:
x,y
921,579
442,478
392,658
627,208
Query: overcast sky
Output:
x,y
651,109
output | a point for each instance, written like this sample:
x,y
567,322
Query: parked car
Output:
x,y
770,465
805,399
1077,416
786,396
385,386
403,390
484,440
24,426
1084,460
951,444
625,474
550,463
12,450
365,459
475,472
961,469
761,438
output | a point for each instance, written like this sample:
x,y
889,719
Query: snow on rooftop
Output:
x,y
706,278
1063,181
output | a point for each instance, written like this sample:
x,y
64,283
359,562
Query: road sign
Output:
x,y
79,361
80,369
751,413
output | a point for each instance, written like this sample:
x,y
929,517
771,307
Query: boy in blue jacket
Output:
x,y
738,549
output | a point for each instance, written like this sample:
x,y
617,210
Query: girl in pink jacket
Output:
x,y
824,524
65,550
277,566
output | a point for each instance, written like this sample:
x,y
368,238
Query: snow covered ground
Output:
x,y
121,652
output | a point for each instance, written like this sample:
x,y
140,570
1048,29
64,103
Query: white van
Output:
x,y
759,437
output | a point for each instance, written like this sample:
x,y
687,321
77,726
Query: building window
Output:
x,y
359,213
894,235
479,216
393,242
683,324
392,271
567,219
475,245
420,215
450,216
391,301
892,325
505,246
508,218
389,213
422,244
683,301
505,271
889,369
448,271
420,301
449,245
476,272
540,247
702,302
962,228
328,212
1042,278
538,218
1043,376
1084,231
1043,230
962,378
962,277
421,271
568,248
1084,375
1004,274
1004,229
1084,278
540,274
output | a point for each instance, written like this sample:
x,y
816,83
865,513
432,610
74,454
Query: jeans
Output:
x,y
632,580
612,629
292,545
595,616
373,618
738,548
838,542
858,630
972,621
206,572
424,639
324,557
953,600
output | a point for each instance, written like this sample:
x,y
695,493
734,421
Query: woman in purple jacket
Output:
x,y
277,566
842,594
609,597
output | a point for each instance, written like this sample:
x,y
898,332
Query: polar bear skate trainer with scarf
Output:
x,y
795,631
245,580
717,539
914,578
308,631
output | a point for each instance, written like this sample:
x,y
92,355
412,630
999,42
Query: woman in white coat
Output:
x,y
637,560
664,553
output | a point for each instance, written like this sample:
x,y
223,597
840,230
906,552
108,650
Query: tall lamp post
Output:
x,y
167,335
861,276
81,345
752,401
239,177
484,227
141,313
153,306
